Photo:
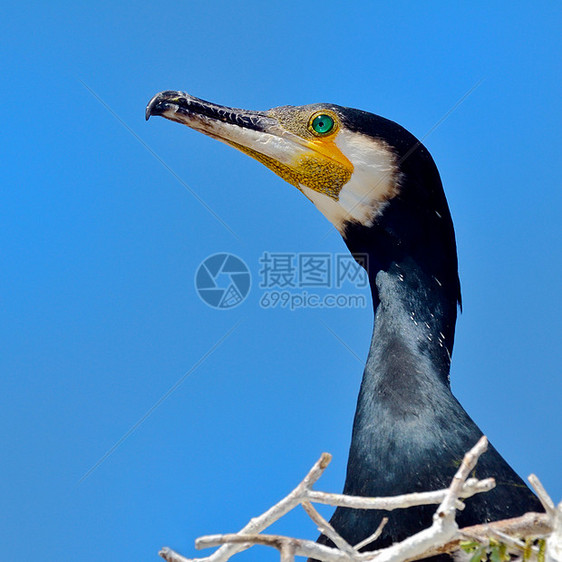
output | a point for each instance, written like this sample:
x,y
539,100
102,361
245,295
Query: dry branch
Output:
x,y
441,537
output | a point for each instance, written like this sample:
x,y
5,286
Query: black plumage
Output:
x,y
409,433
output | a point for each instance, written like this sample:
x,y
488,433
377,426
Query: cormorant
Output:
x,y
379,186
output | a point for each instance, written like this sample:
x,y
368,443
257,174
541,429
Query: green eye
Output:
x,y
322,124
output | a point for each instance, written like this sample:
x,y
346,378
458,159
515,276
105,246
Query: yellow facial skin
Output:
x,y
322,167
307,146
286,142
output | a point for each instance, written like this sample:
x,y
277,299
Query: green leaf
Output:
x,y
469,546
503,553
542,550
527,551
479,554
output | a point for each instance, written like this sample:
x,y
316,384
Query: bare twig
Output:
x,y
470,488
326,529
444,526
528,525
301,547
554,541
171,556
544,498
287,553
443,536
509,541
258,524
372,538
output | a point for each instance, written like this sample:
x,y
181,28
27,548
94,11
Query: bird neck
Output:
x,y
415,289
410,255
405,393
405,388
414,327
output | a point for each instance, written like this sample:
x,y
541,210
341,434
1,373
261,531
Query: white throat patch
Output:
x,y
375,180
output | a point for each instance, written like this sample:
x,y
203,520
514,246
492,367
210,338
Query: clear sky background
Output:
x,y
99,244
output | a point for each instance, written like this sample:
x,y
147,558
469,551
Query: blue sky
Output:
x,y
100,243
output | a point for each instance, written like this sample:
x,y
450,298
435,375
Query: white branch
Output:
x,y
258,524
554,541
471,487
309,549
544,498
326,529
372,538
444,526
528,525
442,536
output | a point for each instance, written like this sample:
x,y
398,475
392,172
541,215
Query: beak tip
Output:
x,y
153,104
161,102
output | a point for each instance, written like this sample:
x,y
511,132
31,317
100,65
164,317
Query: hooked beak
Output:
x,y
298,160
205,116
253,132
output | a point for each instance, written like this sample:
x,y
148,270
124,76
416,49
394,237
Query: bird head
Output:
x,y
348,175
372,179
